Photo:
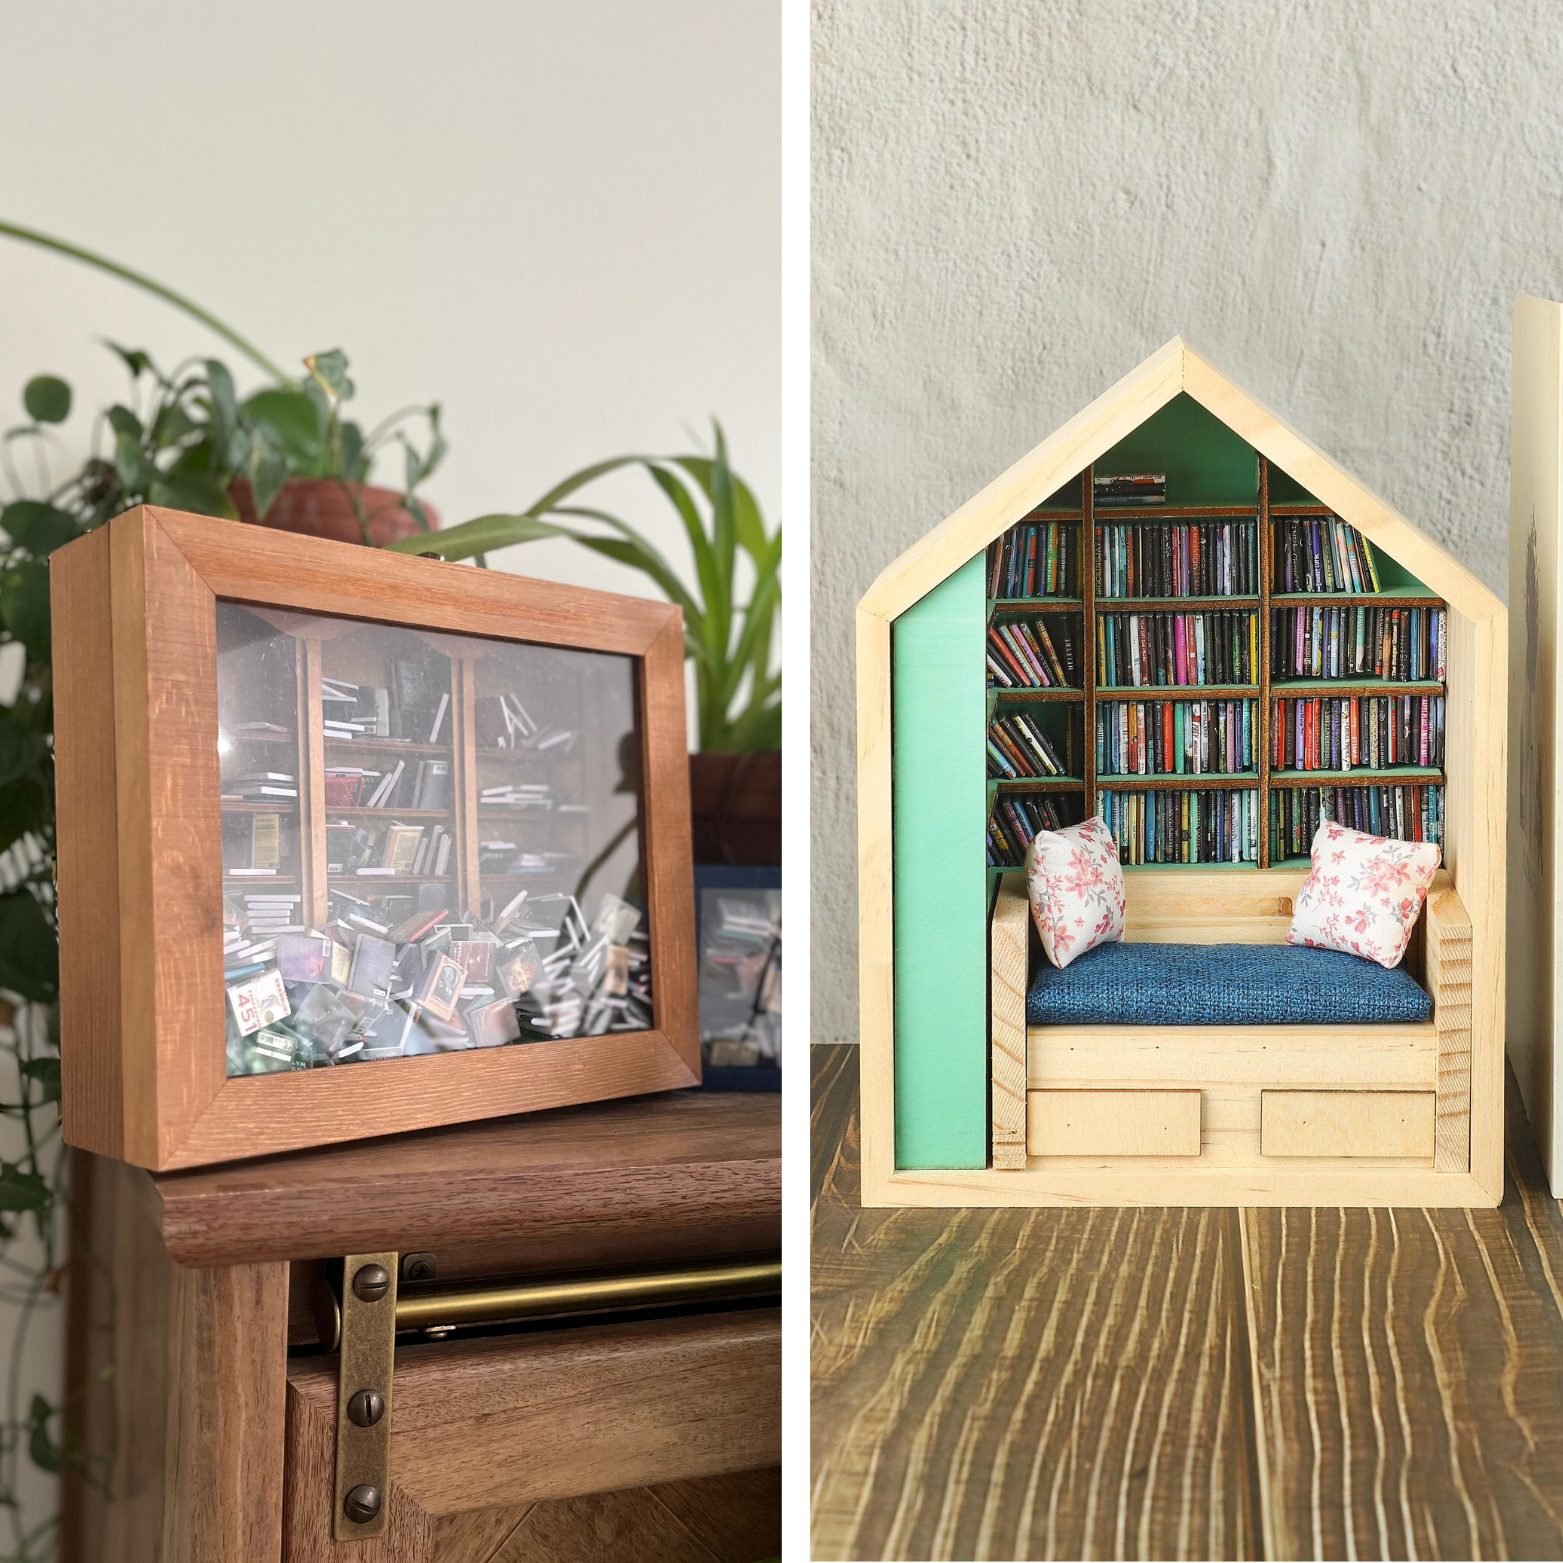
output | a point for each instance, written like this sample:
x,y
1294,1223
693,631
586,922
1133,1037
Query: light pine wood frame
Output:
x,y
1476,781
143,1061
1241,1077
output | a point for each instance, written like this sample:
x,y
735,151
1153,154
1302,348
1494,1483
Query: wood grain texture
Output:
x,y
1408,1373
87,856
577,1181
1447,939
732,1518
510,1420
1092,1122
1474,845
1038,1384
1196,906
1239,1055
875,903
117,1298
1398,1393
1346,1123
665,846
179,1108
196,1404
253,564
1010,937
227,1359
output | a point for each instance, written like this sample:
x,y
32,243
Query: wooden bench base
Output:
x,y
1212,1115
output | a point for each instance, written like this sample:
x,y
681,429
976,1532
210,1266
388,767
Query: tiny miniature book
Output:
x,y
475,957
401,848
493,1025
441,987
303,957
417,926
259,1002
373,962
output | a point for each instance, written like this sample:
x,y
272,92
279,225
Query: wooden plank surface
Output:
x,y
1007,1004
1095,1122
1346,1123
1173,1383
591,1175
1408,1369
517,1419
1006,1384
193,1410
87,849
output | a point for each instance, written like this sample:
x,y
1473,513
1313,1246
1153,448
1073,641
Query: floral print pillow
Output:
x,y
1076,887
1364,895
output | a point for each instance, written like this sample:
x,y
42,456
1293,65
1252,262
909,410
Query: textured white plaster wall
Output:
x,y
1014,203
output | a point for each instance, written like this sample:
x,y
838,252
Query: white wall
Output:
x,y
561,221
1013,204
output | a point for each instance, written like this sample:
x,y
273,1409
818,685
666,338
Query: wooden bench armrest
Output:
x,y
1448,970
1448,946
1007,953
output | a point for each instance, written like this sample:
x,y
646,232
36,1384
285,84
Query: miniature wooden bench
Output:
x,y
1198,1099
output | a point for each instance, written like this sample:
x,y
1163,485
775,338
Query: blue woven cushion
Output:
x,y
1221,985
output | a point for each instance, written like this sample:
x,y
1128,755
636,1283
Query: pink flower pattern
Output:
x,y
1076,888
1364,894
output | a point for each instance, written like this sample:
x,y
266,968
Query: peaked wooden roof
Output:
x,y
1094,431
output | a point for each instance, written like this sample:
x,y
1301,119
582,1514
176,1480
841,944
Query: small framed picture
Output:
x,y
739,923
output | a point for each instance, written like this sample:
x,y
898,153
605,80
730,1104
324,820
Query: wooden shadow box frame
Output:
x,y
143,1033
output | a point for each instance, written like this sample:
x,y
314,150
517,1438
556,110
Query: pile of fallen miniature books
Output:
x,y
359,989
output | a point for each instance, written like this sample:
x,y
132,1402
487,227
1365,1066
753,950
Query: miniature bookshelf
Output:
x,y
446,803
1255,812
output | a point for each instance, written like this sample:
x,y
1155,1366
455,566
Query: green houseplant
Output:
x,y
185,439
738,692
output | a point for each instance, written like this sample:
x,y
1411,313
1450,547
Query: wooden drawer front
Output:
x,y
513,1419
1112,1123
1346,1123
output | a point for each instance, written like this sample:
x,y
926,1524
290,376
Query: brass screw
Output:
x,y
362,1504
371,1283
366,1408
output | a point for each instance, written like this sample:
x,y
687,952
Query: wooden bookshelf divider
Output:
x,y
1265,781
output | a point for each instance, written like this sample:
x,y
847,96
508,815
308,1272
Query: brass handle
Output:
x,y
455,1306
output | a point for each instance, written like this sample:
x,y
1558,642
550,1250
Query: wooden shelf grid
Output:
x,y
1263,691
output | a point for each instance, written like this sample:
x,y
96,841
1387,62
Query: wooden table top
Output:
x,y
680,1159
1182,1383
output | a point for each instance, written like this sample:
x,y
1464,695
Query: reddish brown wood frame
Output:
x,y
143,1056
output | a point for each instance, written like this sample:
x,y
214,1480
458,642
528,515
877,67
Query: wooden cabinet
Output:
x,y
194,1284
353,843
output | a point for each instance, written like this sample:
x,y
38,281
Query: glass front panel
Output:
x,y
431,842
740,974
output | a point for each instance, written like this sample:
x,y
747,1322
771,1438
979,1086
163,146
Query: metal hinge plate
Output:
x,y
363,1401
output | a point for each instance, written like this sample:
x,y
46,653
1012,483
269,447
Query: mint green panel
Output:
x,y
1206,462
938,725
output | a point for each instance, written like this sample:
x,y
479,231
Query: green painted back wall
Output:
x,y
938,726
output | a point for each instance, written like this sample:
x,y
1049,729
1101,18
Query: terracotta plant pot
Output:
x,y
736,803
320,507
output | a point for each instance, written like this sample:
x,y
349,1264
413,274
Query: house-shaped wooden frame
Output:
x,y
1309,1115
